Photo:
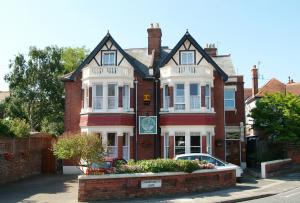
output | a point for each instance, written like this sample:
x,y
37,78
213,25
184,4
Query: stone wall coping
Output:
x,y
276,161
135,175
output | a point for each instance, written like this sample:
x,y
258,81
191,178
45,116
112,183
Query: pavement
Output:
x,y
63,188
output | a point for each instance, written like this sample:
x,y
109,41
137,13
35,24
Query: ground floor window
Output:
x,y
195,142
126,146
166,145
112,147
179,143
208,143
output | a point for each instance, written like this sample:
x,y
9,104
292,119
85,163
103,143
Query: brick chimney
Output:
x,y
154,40
254,71
211,49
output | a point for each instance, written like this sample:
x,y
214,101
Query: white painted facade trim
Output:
x,y
187,129
108,129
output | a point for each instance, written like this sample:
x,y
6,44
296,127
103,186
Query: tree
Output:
x,y
72,57
36,92
278,116
86,147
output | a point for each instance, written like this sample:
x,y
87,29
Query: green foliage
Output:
x,y
278,116
86,147
19,127
14,128
160,165
36,92
72,57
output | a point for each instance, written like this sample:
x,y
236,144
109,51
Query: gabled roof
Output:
x,y
138,66
293,88
187,36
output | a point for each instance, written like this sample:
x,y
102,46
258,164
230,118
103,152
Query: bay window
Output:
x,y
179,103
97,97
112,99
229,99
108,58
194,96
126,98
187,58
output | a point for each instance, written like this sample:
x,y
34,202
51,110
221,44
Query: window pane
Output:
x,y
195,140
111,139
108,58
166,89
179,140
187,57
229,103
179,89
99,90
194,89
111,89
229,93
207,90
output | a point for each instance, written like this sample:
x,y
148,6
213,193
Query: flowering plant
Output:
x,y
9,156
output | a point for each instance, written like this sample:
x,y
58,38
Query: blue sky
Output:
x,y
251,31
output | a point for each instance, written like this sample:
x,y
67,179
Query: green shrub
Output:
x,y
160,165
87,147
5,128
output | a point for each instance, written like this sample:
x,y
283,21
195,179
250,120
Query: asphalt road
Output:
x,y
290,196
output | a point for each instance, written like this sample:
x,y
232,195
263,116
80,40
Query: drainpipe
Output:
x,y
136,120
156,114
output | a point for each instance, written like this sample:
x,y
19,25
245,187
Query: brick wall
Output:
x,y
270,168
122,186
20,158
73,102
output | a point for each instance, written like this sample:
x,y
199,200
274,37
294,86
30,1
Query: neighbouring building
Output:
x,y
158,102
257,146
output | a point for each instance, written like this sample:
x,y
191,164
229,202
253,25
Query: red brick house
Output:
x,y
158,102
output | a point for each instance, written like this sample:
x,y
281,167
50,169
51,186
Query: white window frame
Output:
x,y
199,95
186,53
127,146
208,143
207,97
166,98
166,145
104,63
85,97
177,134
230,99
115,97
94,97
175,98
126,105
195,134
114,147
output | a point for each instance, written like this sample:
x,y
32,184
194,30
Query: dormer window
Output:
x,y
187,57
108,58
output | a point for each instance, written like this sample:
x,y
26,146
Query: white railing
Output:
x,y
125,153
195,102
179,99
112,151
125,101
112,102
166,103
107,71
97,102
186,70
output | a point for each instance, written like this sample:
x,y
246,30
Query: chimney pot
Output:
x,y
211,49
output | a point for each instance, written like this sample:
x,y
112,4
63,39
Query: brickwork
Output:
x,y
271,168
73,105
129,186
25,157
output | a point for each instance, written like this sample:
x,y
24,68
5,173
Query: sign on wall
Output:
x,y
147,125
150,183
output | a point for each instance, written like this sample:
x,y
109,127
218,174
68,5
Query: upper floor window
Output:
x,y
98,96
229,99
179,103
126,97
207,96
108,58
166,97
194,96
112,99
187,57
